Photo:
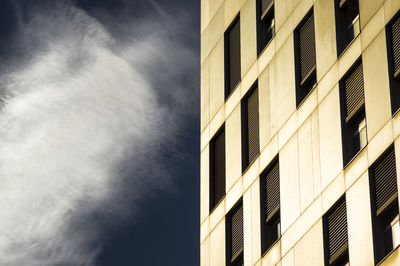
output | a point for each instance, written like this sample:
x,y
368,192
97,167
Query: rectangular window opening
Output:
x,y
265,23
250,128
347,23
234,236
232,57
217,168
335,235
393,51
384,204
270,206
354,127
305,58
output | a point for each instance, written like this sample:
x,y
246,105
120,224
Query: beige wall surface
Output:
x,y
308,138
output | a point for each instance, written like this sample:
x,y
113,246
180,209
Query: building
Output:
x,y
300,132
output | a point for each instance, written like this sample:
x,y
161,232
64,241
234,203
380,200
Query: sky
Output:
x,y
99,132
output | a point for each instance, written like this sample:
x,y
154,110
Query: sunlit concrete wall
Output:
x,y
308,139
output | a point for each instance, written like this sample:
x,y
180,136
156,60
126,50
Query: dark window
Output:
x,y
304,43
354,130
384,203
335,235
234,236
265,23
250,128
270,206
232,57
393,45
347,23
217,168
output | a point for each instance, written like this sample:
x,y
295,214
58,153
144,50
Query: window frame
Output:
x,y
229,258
228,91
261,19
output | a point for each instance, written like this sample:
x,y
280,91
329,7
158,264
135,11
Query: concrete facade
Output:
x,y
307,139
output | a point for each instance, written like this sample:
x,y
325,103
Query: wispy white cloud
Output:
x,y
71,116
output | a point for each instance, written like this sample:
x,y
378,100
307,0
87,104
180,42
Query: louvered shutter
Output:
x,y
218,171
237,232
253,138
395,31
272,191
307,48
354,90
234,56
385,181
265,6
337,232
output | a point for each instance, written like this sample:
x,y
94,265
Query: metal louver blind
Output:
x,y
307,47
237,232
219,167
265,6
337,231
395,30
272,191
385,181
234,56
253,138
354,87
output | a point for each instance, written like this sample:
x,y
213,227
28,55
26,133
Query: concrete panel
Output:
x,y
205,94
282,86
349,56
234,194
217,83
217,27
289,183
217,215
333,192
205,14
325,36
280,14
330,137
368,8
204,183
309,250
391,7
284,32
301,10
248,36
217,245
359,223
376,85
269,153
204,229
356,168
215,5
315,154
373,28
327,82
265,113
288,259
305,165
205,253
380,142
266,56
231,10
205,45
233,147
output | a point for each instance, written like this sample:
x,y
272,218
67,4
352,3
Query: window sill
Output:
x,y
347,47
271,247
216,205
250,164
265,48
354,157
233,91
387,258
305,98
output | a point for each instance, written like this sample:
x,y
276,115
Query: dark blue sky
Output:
x,y
160,224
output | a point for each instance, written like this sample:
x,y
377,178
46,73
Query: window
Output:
x,y
234,236
393,45
232,57
354,129
347,23
265,23
384,204
250,128
305,60
270,206
217,168
335,235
